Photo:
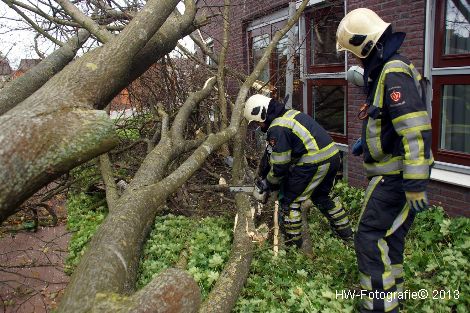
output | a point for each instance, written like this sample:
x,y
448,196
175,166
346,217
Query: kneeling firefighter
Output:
x,y
396,144
301,160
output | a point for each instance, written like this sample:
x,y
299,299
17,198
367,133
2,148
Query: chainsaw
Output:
x,y
256,190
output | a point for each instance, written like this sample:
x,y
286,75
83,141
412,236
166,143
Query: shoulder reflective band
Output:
x,y
288,120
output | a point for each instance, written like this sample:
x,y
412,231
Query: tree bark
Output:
x,y
38,146
22,87
52,119
225,293
173,290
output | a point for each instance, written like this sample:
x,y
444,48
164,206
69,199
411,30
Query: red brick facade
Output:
x,y
405,16
242,14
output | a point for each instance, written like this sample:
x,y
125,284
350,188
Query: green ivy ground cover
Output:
x,y
436,260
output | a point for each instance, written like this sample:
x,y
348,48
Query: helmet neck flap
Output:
x,y
386,47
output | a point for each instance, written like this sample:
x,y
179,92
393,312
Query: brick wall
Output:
x,y
242,13
405,16
455,199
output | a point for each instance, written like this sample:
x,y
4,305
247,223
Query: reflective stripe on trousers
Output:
x,y
379,242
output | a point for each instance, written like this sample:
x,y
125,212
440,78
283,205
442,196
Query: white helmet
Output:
x,y
256,108
359,31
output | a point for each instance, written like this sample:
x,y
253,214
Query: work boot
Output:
x,y
345,234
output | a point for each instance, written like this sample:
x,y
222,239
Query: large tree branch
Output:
x,y
225,293
173,290
22,87
164,41
56,142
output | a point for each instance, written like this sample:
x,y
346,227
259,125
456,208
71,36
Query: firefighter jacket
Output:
x,y
397,131
295,139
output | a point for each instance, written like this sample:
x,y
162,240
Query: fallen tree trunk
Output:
x,y
51,119
225,293
121,236
173,290
111,260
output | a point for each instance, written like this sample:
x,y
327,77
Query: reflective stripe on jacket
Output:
x,y
398,130
297,139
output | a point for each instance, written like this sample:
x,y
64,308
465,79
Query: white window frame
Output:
x,y
454,174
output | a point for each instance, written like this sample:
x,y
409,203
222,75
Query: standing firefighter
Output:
x,y
396,141
303,161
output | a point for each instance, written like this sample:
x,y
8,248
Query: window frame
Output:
x,y
337,137
270,27
444,70
312,68
440,59
443,155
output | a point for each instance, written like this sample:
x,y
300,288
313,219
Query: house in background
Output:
x,y
437,42
25,65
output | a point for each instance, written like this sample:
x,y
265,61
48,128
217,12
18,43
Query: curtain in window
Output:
x,y
455,118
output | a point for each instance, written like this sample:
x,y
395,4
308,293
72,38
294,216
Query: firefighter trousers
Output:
x,y
314,182
380,241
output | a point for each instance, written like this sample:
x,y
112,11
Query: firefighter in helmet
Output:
x,y
301,160
396,143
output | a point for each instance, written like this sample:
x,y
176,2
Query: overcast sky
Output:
x,y
19,44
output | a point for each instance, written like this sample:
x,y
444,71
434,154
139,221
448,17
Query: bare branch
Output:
x,y
106,169
101,33
221,70
183,114
34,25
42,13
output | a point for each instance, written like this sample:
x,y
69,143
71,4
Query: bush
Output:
x,y
205,243
436,259
83,222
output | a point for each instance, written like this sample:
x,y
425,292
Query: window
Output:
x,y
451,82
274,74
326,86
322,23
328,105
258,46
452,42
210,46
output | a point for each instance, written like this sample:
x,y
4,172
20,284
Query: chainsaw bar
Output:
x,y
241,188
